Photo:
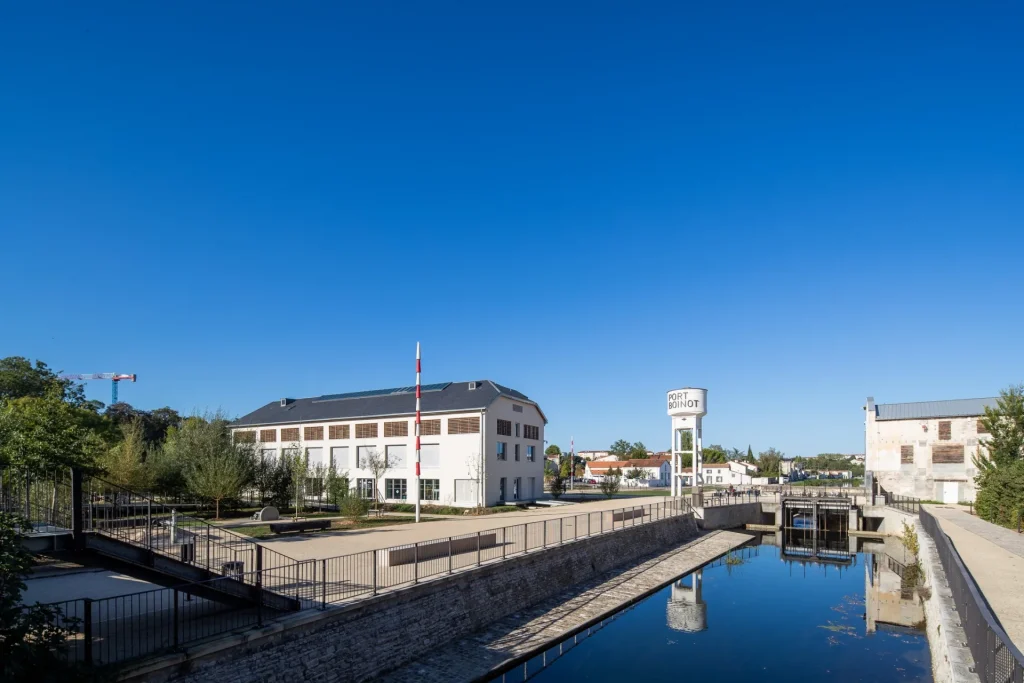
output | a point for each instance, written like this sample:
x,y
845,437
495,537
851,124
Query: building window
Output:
x,y
465,491
531,432
501,489
530,452
245,437
393,429
517,430
516,486
430,456
290,434
430,428
502,450
430,489
504,427
516,447
464,425
363,455
313,433
517,408
395,457
268,435
365,488
338,431
948,454
268,454
907,454
394,489
314,456
945,430
718,479
980,427
339,457
366,430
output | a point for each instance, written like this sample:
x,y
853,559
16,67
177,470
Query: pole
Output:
x,y
417,494
87,628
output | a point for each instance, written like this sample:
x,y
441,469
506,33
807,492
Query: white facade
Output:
x,y
686,407
927,454
654,473
482,467
719,474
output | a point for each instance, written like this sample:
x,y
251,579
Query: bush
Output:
x,y
353,506
1001,494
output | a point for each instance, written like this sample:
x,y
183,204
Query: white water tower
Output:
x,y
686,407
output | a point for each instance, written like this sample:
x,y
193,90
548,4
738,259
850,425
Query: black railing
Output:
x,y
907,504
996,659
718,498
43,500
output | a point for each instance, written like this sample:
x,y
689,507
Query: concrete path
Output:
x,y
334,543
995,558
541,626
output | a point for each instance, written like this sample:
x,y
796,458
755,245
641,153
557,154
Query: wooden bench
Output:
x,y
302,525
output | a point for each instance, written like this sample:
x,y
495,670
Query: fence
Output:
x,y
116,629
996,659
719,498
906,504
42,500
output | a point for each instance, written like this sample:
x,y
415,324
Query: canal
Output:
x,y
815,609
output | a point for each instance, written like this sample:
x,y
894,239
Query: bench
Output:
x,y
303,525
431,550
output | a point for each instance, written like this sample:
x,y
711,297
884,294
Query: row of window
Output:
x,y
531,432
430,489
364,430
942,454
502,447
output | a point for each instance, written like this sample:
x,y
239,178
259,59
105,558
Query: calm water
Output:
x,y
771,618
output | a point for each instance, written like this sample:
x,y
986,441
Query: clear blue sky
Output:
x,y
796,205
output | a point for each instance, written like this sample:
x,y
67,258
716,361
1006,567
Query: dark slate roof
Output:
x,y
454,396
961,407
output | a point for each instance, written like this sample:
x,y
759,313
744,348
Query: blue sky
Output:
x,y
795,205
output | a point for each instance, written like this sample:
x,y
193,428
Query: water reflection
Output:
x,y
892,594
686,610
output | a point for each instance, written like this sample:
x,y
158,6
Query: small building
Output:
x,y
656,472
925,449
596,455
481,443
731,473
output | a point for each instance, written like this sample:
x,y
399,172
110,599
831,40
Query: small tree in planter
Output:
x,y
557,486
377,463
610,483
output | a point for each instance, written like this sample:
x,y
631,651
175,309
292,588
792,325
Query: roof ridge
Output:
x,y
940,400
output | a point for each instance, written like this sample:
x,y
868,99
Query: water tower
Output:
x,y
686,611
686,407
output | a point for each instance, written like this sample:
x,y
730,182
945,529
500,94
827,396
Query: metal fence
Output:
x,y
907,504
43,500
719,498
996,659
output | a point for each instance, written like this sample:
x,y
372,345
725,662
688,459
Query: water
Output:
x,y
847,617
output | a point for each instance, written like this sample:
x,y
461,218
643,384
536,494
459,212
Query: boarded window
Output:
x,y
945,430
396,428
948,453
338,431
504,427
464,425
366,430
245,437
313,433
981,428
907,455
517,409
290,434
268,435
531,432
430,427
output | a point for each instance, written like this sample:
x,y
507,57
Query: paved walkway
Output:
x,y
995,558
544,624
334,543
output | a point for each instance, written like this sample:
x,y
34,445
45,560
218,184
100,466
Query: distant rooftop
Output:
x,y
437,398
923,410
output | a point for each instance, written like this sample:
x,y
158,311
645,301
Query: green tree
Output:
x,y
40,434
30,637
20,379
610,483
1005,425
212,466
637,451
635,473
298,463
557,486
735,454
769,463
620,449
553,449
1000,497
125,463
750,455
714,453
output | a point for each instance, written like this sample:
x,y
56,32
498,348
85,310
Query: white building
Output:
x,y
720,474
481,443
596,455
656,472
925,449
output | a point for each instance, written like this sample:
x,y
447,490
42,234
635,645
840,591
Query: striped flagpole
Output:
x,y
417,431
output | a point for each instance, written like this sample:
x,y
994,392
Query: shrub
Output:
x,y
353,506
1001,494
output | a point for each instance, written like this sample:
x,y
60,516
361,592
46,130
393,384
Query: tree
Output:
x,y
377,463
637,451
635,473
218,475
557,486
1005,425
272,480
298,468
714,453
30,637
735,454
212,466
750,455
620,449
155,424
125,463
19,379
769,463
553,449
40,434
610,484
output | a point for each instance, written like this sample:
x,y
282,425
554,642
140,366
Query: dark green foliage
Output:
x,y
714,453
1000,460
353,506
620,448
553,449
557,486
1001,494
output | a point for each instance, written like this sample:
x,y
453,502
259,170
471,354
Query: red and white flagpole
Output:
x,y
417,494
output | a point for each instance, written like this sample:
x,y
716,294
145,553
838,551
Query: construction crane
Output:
x,y
114,378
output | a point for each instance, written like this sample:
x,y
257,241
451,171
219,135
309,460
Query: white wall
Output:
x,y
510,469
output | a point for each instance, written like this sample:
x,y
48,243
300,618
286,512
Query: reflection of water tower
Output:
x,y
686,407
686,609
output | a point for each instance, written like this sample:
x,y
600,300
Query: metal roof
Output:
x,y
450,397
961,407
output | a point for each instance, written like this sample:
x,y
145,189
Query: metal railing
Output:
x,y
996,659
907,504
44,501
720,498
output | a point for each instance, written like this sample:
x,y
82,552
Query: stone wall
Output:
x,y
359,641
731,516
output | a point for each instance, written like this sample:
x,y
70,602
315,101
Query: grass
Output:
x,y
449,510
263,530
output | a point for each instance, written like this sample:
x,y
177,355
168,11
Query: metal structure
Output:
x,y
996,658
686,407
114,377
418,394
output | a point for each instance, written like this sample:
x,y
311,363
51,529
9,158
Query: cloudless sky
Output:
x,y
795,205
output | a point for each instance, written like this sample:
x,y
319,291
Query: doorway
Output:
x,y
951,492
